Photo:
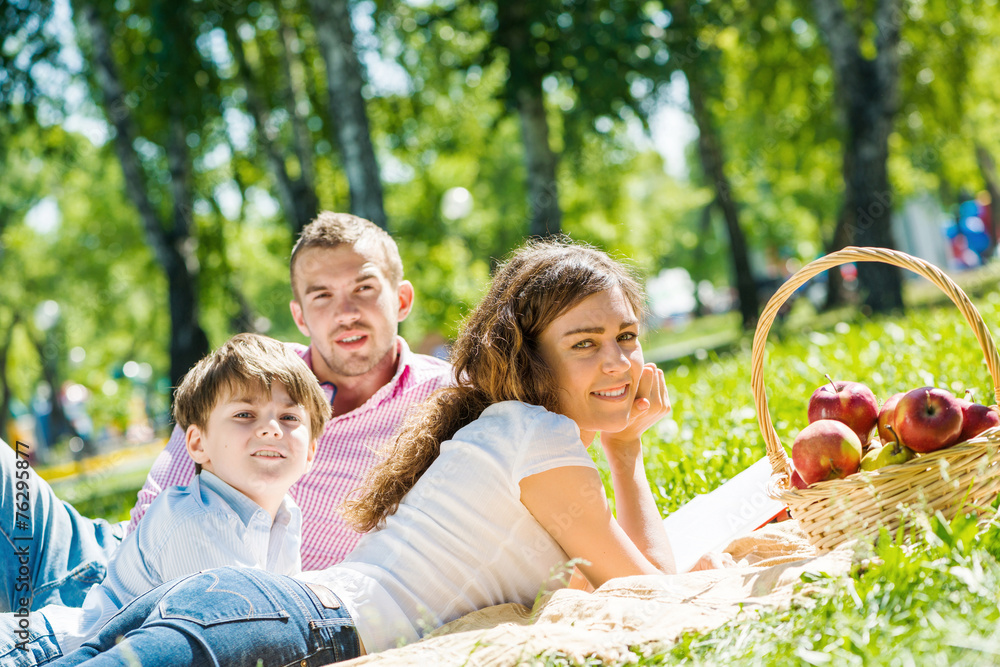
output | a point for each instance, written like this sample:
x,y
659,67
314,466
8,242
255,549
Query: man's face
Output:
x,y
349,309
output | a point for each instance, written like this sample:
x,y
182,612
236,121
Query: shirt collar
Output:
x,y
244,507
404,359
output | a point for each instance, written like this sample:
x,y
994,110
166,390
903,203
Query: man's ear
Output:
x,y
405,299
311,455
300,321
194,441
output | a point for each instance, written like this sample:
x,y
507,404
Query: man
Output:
x,y
349,297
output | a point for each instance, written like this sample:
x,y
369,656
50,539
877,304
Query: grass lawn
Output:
x,y
936,605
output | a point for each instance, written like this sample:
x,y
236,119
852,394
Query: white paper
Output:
x,y
711,521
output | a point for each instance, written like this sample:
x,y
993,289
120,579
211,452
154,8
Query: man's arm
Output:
x,y
173,467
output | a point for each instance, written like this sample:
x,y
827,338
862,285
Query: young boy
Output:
x,y
252,412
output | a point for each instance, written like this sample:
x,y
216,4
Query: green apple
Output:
x,y
887,455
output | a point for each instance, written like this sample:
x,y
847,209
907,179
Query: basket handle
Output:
x,y
779,460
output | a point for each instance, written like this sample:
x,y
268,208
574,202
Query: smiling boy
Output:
x,y
251,413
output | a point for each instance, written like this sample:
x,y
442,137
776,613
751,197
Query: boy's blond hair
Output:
x,y
248,363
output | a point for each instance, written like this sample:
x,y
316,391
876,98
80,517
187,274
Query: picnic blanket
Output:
x,y
647,613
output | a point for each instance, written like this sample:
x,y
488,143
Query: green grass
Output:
x,y
933,606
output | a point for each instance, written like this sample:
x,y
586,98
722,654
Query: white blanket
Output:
x,y
644,614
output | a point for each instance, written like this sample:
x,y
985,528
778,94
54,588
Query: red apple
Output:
x,y
885,418
796,481
928,419
852,403
977,418
826,449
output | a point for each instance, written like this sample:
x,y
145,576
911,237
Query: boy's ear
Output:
x,y
194,440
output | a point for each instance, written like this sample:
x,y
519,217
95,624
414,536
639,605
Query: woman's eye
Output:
x,y
584,344
628,336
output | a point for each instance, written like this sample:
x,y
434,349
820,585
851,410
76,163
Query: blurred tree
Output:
x,y
348,109
775,95
696,30
165,83
514,20
863,52
296,192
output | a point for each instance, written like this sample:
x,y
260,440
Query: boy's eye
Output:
x,y
294,418
243,415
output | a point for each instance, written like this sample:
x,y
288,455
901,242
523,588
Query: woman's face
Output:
x,y
593,351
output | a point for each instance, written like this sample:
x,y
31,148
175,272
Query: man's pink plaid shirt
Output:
x,y
344,453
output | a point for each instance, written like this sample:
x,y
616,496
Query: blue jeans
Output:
x,y
50,554
228,616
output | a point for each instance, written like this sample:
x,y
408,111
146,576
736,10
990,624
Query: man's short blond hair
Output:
x,y
331,230
249,363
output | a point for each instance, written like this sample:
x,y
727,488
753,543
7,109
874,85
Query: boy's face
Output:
x,y
258,444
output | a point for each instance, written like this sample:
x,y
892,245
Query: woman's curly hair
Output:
x,y
495,358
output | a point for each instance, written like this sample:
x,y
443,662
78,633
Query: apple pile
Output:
x,y
844,417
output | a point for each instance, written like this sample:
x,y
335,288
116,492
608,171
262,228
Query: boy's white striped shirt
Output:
x,y
201,526
344,453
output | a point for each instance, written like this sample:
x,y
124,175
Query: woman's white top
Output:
x,y
461,540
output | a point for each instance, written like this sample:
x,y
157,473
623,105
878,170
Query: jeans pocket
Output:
x,y
220,596
71,589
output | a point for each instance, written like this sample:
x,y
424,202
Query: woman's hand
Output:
x,y
651,404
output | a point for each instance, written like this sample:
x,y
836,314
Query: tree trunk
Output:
x,y
867,95
543,189
524,89
988,168
332,20
49,360
712,158
188,342
297,196
698,255
306,201
835,280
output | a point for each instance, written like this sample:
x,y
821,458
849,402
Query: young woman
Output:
x,y
486,496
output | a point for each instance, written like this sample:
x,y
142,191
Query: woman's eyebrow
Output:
x,y
598,329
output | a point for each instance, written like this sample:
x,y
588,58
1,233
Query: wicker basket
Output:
x,y
832,512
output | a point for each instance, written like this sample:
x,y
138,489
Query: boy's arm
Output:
x,y
173,467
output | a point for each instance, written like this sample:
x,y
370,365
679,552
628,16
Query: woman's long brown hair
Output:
x,y
495,359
